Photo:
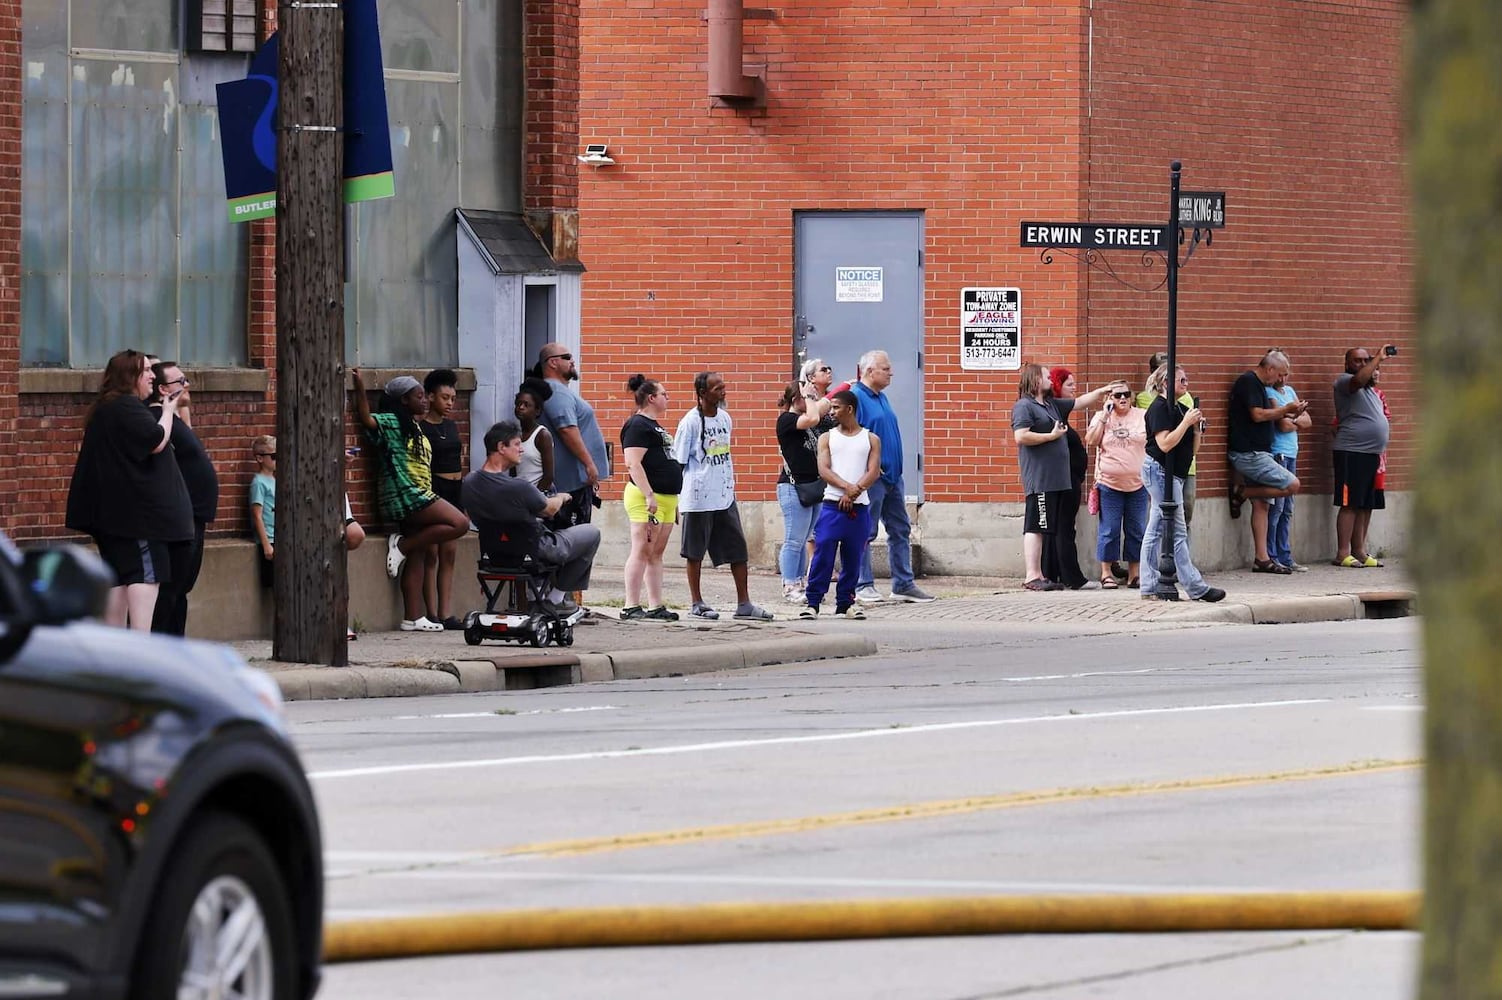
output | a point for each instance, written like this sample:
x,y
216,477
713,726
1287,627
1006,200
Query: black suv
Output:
x,y
157,834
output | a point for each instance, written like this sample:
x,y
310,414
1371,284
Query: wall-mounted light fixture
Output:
x,y
596,155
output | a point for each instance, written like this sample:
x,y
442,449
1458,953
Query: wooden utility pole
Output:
x,y
312,587
1455,160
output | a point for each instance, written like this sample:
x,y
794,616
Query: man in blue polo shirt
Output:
x,y
888,503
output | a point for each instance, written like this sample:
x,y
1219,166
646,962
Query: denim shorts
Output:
x,y
1261,469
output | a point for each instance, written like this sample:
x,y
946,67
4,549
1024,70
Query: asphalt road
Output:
x,y
1008,761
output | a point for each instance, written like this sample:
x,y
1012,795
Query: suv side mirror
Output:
x,y
66,583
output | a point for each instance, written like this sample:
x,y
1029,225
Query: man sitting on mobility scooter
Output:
x,y
510,514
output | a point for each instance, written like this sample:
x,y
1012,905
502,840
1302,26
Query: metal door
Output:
x,y
858,287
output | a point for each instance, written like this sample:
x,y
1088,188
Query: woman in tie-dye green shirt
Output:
x,y
404,481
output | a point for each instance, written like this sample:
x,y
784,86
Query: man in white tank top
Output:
x,y
849,462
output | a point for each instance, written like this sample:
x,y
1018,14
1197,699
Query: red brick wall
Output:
x,y
10,245
982,115
551,178
1293,109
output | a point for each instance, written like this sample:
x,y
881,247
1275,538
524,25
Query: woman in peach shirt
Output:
x,y
1119,435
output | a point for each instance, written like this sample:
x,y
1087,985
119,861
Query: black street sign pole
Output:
x,y
1168,579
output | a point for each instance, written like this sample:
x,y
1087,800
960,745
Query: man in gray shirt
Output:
x,y
499,500
580,462
1359,454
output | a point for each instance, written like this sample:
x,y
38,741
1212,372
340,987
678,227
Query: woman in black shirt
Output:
x,y
651,497
448,467
798,439
127,491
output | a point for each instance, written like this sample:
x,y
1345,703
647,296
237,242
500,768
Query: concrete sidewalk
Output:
x,y
392,664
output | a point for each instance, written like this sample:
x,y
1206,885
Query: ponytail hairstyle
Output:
x,y
642,388
790,395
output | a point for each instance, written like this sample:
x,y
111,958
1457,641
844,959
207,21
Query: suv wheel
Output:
x,y
221,924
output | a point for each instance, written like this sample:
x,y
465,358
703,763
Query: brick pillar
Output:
x,y
550,189
10,244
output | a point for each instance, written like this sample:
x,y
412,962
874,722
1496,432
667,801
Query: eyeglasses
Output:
x,y
1121,395
265,454
565,357
178,381
826,368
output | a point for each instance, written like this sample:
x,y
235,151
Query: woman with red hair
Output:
x,y
1061,561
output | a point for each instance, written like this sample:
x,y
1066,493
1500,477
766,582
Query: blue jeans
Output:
x,y
1280,518
888,507
797,525
1152,537
846,533
1118,510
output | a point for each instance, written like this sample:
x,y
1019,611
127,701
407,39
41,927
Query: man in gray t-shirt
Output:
x,y
1359,454
579,457
499,501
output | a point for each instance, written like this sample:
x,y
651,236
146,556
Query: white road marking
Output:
x,y
493,714
1092,673
1392,708
860,734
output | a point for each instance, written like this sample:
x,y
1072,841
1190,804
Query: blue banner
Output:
x,y
247,122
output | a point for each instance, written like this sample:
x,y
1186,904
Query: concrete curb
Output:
x,y
499,673
1289,610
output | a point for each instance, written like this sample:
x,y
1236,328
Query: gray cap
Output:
x,y
401,385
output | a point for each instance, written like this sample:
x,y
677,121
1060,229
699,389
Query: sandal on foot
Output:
x,y
1238,497
1270,566
1134,583
1350,562
1369,562
1108,582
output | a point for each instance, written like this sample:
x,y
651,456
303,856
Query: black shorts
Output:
x,y
1040,515
1356,481
265,568
449,489
136,560
715,532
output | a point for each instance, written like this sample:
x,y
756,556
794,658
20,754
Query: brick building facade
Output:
x,y
980,116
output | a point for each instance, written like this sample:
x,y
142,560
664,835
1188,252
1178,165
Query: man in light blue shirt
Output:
x,y
888,502
579,460
1285,453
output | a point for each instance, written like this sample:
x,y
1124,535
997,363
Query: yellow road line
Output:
x,y
947,807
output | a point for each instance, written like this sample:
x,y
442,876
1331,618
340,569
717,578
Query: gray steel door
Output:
x,y
859,287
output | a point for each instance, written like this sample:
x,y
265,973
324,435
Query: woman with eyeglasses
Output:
x,y
653,481
1118,434
798,428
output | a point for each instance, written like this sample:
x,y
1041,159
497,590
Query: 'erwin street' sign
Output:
x,y
1202,209
1094,236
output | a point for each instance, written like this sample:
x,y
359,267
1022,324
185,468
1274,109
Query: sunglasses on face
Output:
x,y
1121,395
565,357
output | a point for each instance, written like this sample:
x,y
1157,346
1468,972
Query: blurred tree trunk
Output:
x,y
1455,152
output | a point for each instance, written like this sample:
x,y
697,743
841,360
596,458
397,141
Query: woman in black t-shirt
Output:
x,y
448,465
654,480
798,440
127,491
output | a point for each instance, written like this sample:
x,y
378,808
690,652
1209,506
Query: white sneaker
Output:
x,y
869,595
793,594
423,624
394,557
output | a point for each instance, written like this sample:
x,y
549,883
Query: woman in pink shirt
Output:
x,y
1119,435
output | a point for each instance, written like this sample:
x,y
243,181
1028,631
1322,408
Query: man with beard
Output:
x,y
581,462
1360,440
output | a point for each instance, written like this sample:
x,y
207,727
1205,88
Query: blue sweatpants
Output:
x,y
836,529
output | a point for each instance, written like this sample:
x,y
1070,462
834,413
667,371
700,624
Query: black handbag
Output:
x,y
810,493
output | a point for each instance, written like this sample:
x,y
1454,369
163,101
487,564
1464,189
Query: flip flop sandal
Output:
x,y
1371,562
1109,583
1350,562
1134,583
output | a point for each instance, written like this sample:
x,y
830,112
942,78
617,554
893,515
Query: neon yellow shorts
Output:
x,y
636,506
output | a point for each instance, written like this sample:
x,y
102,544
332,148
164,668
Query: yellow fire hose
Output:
x,y
727,923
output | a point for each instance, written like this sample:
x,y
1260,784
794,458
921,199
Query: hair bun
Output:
x,y
635,382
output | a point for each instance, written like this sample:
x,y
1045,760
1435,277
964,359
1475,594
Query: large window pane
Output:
x,y
492,81
132,25
124,259
214,270
44,202
420,34
405,300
